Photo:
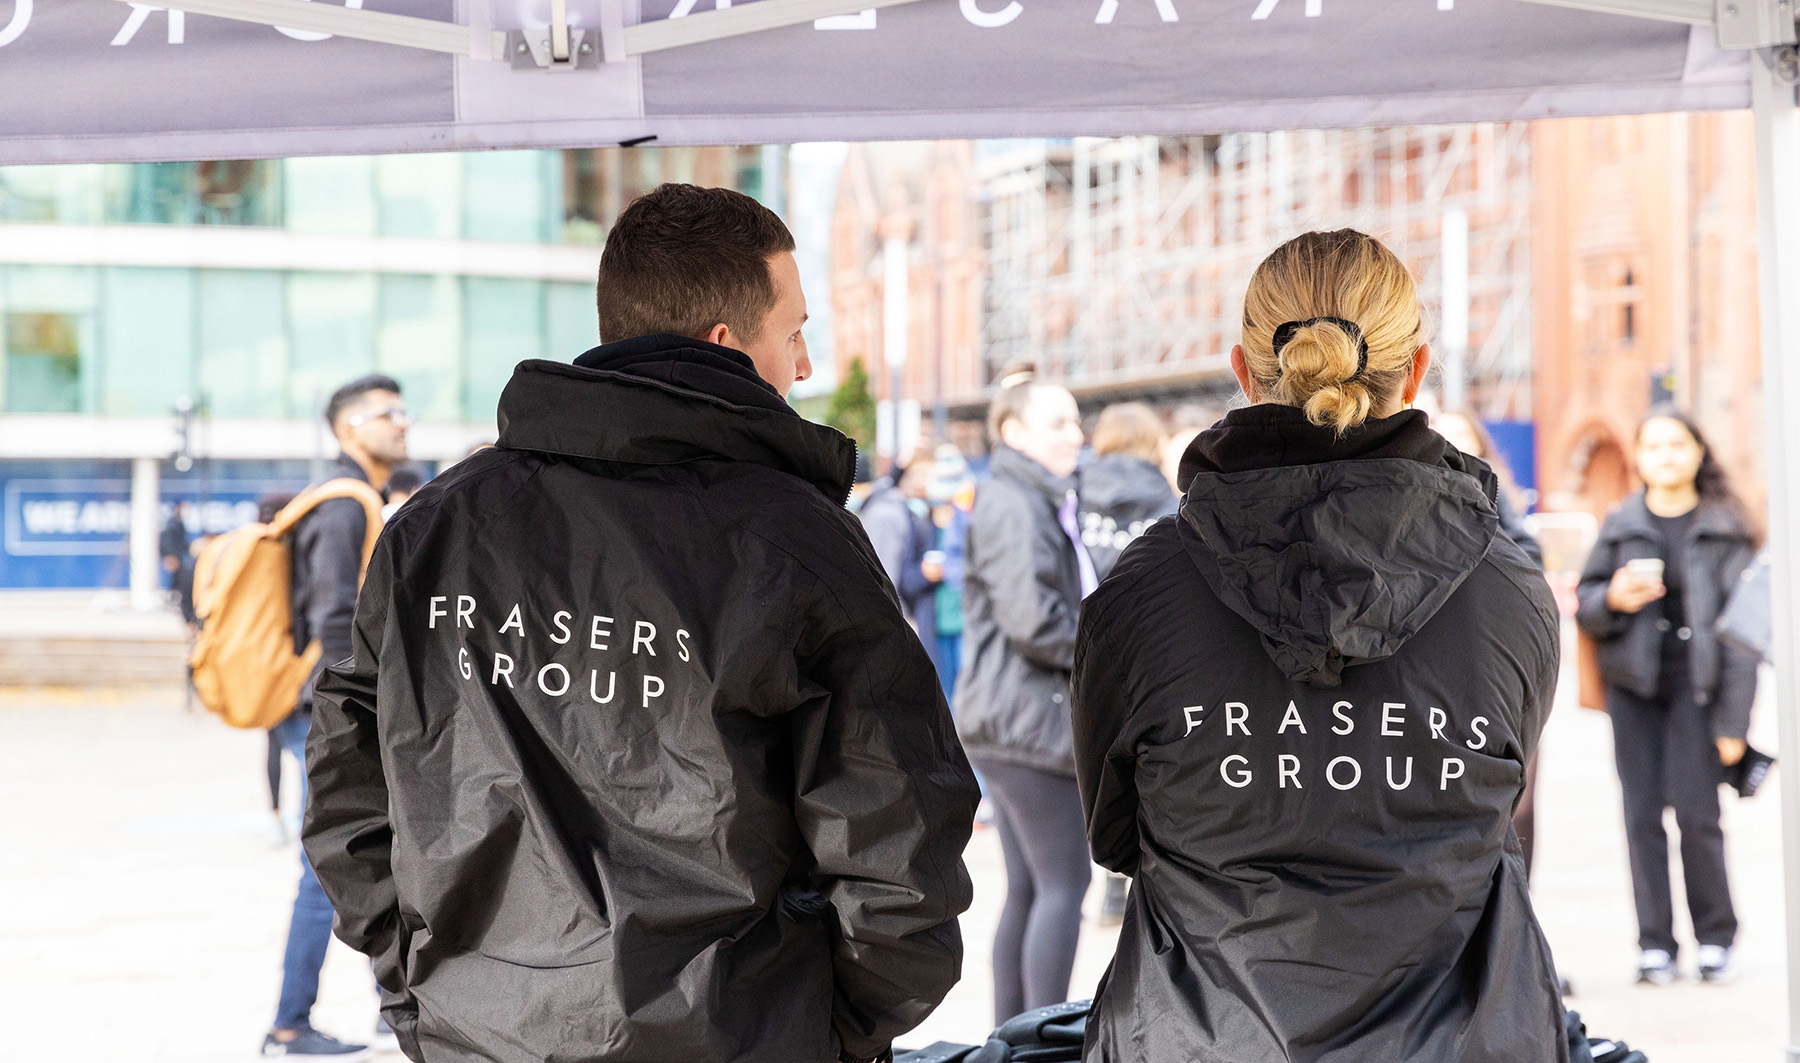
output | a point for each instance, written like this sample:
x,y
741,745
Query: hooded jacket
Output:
x,y
636,759
1021,601
1121,496
1303,711
1719,548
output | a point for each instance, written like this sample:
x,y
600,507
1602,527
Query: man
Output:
x,y
637,759
369,420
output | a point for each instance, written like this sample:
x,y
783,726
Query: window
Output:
x,y
504,325
147,340
43,363
420,195
47,337
243,355
332,324
420,342
331,195
71,195
505,195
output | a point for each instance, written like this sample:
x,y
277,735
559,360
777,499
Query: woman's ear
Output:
x,y
1241,370
1415,377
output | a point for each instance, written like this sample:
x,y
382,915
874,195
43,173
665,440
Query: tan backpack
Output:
x,y
244,664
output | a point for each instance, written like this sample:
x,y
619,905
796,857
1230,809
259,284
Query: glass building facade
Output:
x,y
132,340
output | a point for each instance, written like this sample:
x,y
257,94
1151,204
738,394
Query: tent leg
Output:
x,y
1778,261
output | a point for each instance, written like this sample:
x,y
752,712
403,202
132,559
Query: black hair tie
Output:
x,y
1285,332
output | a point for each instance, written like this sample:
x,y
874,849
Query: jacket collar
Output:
x,y
1272,435
347,467
1633,518
1013,465
667,400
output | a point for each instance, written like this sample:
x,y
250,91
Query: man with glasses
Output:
x,y
369,420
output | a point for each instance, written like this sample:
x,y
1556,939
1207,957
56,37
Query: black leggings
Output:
x,y
1044,838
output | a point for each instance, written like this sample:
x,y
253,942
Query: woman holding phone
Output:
x,y
1679,696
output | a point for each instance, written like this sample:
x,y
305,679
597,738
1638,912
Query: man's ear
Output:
x,y
721,335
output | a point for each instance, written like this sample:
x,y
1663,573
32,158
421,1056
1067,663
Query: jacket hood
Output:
x,y
1118,480
1337,549
667,400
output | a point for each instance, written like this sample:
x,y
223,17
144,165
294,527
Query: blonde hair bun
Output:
x,y
1331,324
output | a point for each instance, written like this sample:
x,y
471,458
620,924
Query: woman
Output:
x,y
1025,575
1303,712
1467,434
1678,695
1122,489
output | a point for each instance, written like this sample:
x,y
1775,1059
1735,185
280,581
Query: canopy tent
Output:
x,y
129,81
92,80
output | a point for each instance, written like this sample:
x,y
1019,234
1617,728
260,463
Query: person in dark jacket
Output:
x,y
1123,491
902,537
1679,696
1303,711
1465,432
369,420
636,758
1024,577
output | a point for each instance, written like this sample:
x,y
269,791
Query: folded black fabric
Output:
x,y
1747,775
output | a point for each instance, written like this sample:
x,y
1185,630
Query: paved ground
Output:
x,y
146,899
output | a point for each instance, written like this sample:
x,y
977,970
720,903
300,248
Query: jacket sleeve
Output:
x,y
347,834
1104,764
1737,666
1023,573
1593,614
332,537
885,800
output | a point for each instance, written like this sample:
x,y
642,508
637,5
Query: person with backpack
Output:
x,y
1303,711
637,758
328,552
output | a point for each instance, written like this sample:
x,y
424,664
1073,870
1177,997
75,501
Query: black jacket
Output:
x,y
637,760
1718,550
1303,711
1121,495
1021,601
327,570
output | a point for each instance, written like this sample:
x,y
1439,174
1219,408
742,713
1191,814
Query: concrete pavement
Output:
x,y
147,900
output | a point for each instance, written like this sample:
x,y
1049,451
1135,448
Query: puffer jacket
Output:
x,y
1303,711
1021,602
636,759
1719,548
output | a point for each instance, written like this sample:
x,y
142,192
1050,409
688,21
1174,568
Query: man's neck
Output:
x,y
377,473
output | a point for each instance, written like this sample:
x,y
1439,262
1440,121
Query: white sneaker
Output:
x,y
1718,964
1656,967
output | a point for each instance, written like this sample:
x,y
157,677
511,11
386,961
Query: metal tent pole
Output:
x,y
1778,262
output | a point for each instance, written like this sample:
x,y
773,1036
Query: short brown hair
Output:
x,y
1129,428
682,259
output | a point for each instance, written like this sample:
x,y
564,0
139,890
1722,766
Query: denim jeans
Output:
x,y
309,932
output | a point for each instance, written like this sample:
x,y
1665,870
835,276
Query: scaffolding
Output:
x,y
1120,264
